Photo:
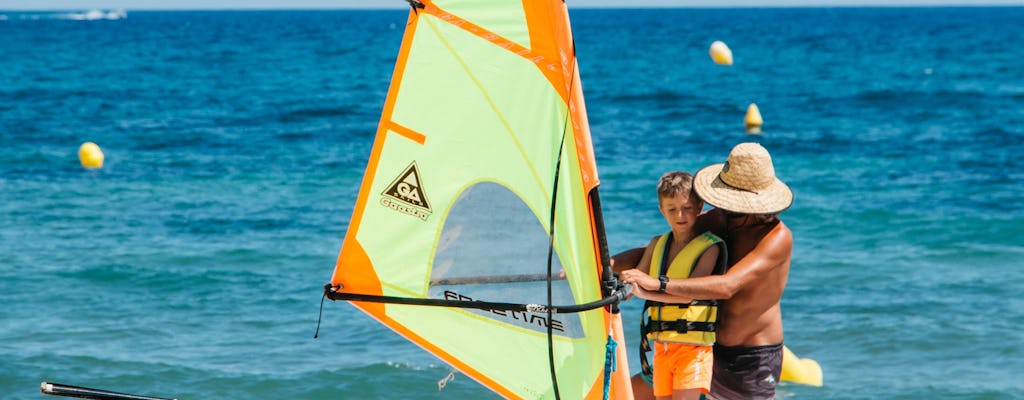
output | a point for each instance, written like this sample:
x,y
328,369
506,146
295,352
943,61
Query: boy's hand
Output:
x,y
641,279
642,293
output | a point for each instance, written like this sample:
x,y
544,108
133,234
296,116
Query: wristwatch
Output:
x,y
664,283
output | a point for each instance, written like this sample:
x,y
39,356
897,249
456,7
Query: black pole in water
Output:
x,y
56,389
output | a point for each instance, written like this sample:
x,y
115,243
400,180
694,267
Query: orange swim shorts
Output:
x,y
681,366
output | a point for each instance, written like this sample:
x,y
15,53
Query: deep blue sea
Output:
x,y
191,265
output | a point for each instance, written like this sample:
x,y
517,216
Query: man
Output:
x,y
747,198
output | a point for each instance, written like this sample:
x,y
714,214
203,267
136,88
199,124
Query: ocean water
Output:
x,y
191,265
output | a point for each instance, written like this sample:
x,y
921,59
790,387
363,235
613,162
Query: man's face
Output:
x,y
735,220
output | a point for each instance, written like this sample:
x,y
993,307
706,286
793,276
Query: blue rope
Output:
x,y
609,364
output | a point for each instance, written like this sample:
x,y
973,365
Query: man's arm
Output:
x,y
654,295
705,264
771,252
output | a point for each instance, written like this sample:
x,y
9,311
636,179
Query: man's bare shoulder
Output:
x,y
780,234
711,221
776,243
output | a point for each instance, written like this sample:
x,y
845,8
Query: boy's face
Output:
x,y
680,211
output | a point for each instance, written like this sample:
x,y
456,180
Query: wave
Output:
x,y
965,95
302,114
658,95
94,15
90,15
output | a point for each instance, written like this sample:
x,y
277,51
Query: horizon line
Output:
x,y
587,7
60,5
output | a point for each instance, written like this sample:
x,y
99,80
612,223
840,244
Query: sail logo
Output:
x,y
512,316
405,194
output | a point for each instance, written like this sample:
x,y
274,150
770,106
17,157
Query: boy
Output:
x,y
683,330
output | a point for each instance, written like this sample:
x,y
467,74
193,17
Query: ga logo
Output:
x,y
405,194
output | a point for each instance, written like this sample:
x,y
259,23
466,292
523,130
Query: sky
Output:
x,y
329,4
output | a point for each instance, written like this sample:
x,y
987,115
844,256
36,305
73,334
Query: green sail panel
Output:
x,y
504,18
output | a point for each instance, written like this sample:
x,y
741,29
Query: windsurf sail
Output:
x,y
477,232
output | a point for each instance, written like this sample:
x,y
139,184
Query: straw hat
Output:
x,y
745,183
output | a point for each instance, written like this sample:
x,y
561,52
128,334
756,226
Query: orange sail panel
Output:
x,y
483,138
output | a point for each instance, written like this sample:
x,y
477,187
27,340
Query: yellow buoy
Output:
x,y
804,371
720,53
90,155
753,120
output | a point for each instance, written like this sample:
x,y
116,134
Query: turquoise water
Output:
x,y
191,265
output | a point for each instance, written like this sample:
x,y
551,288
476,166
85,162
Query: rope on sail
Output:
x,y
331,292
551,248
610,363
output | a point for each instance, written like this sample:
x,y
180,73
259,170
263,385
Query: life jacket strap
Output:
x,y
645,345
709,303
678,326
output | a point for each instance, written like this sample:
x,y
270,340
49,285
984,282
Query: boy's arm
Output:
x,y
627,259
644,266
645,262
706,263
